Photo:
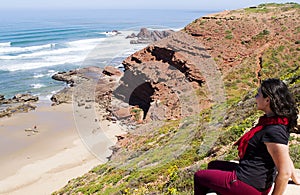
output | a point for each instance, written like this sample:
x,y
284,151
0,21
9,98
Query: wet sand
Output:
x,y
44,161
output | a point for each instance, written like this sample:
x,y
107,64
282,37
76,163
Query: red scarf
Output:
x,y
263,121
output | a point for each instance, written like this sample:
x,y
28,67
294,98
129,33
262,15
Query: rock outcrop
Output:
x,y
90,84
146,36
18,103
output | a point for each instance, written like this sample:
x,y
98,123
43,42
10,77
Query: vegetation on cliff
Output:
x,y
160,157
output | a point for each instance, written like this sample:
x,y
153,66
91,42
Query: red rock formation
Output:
x,y
172,66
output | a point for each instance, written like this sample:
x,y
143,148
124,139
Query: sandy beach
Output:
x,y
43,161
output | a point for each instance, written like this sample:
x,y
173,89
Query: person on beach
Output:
x,y
263,151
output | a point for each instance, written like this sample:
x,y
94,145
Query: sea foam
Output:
x,y
37,86
11,50
6,44
38,76
33,57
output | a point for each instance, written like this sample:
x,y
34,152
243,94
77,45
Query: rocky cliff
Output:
x,y
196,89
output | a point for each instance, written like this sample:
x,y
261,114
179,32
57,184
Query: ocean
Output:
x,y
34,44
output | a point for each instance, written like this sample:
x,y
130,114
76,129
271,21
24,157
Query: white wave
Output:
x,y
74,46
80,52
177,29
51,73
41,54
110,33
6,44
37,86
45,98
115,46
75,53
65,59
34,65
12,50
38,75
55,92
48,97
86,42
119,66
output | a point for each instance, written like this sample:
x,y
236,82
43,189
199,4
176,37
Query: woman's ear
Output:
x,y
267,99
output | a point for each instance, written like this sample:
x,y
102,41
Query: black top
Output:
x,y
257,167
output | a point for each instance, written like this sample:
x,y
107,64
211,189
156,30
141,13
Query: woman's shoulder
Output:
x,y
276,127
276,133
276,130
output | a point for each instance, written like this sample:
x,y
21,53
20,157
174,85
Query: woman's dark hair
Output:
x,y
282,102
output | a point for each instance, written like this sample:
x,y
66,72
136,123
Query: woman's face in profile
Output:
x,y
261,102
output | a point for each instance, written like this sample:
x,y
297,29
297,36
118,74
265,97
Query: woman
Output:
x,y
263,151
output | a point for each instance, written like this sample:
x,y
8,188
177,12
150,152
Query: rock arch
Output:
x,y
141,96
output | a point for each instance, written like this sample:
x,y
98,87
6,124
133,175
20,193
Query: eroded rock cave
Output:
x,y
141,96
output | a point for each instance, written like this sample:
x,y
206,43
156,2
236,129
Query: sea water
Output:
x,y
34,44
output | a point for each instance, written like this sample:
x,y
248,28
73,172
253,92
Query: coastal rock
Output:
x,y
2,97
75,80
68,77
146,36
122,113
116,32
110,71
5,114
112,33
63,96
25,98
157,77
161,52
19,103
13,108
91,87
19,98
133,35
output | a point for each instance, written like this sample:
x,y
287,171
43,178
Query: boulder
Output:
x,y
144,34
133,35
112,71
122,113
63,96
2,97
67,77
25,98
